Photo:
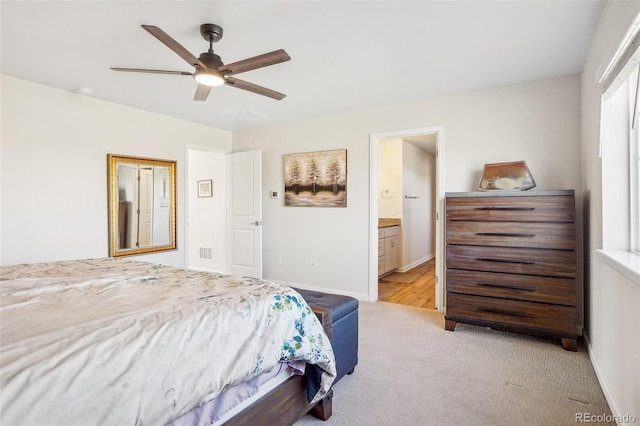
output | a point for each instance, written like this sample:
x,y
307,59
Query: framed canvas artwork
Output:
x,y
316,179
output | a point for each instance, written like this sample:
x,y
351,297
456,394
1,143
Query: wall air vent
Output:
x,y
206,253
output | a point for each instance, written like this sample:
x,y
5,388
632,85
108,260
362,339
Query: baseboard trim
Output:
x,y
360,296
605,389
201,269
412,265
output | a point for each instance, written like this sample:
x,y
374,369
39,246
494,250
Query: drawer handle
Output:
x,y
489,259
505,234
506,208
499,311
510,287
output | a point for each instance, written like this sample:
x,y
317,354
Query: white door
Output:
x,y
145,207
244,218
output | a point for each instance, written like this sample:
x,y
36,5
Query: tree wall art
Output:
x,y
316,179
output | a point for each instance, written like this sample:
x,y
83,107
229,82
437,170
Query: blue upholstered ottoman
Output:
x,y
344,319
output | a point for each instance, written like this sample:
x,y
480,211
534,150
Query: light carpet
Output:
x,y
413,372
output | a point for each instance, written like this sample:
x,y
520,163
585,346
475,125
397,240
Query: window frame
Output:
x,y
634,160
622,71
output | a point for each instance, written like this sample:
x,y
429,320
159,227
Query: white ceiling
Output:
x,y
346,56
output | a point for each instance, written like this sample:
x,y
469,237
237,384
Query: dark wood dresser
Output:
x,y
511,262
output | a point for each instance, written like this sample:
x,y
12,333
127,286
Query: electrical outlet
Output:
x,y
280,260
313,263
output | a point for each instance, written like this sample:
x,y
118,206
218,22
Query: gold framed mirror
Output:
x,y
141,204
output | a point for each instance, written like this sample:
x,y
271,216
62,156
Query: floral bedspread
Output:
x,y
115,341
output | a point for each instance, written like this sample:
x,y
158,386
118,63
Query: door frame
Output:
x,y
374,142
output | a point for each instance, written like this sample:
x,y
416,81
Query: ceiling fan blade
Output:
x,y
202,92
153,71
256,62
174,45
244,85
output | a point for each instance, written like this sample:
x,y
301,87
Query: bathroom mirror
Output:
x,y
142,205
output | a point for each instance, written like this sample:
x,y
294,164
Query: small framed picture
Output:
x,y
205,188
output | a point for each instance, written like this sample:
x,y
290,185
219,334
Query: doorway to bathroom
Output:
x,y
406,197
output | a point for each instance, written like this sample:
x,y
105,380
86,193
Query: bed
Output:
x,y
116,341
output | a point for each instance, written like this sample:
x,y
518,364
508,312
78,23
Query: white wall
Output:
x,y
613,334
390,178
537,122
207,216
612,295
54,169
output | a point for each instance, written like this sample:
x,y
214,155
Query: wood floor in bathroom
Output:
x,y
419,293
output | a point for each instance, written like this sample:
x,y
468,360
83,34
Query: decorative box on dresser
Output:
x,y
511,262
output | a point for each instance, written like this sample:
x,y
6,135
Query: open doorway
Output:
x,y
224,224
406,196
406,220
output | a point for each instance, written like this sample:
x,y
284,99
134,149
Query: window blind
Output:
x,y
624,61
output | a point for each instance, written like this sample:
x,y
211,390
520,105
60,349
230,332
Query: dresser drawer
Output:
x,y
511,209
505,312
560,236
551,263
508,286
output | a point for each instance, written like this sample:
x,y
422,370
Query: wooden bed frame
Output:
x,y
287,403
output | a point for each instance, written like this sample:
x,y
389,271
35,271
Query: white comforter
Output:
x,y
119,342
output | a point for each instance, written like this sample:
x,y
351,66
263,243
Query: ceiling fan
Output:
x,y
209,69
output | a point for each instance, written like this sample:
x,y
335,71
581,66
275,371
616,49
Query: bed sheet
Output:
x,y
234,400
116,341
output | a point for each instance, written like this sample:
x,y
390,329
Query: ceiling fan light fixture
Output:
x,y
210,71
209,78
